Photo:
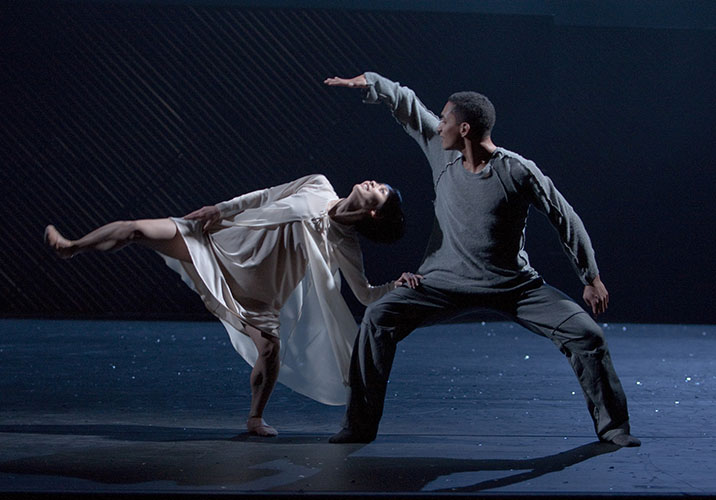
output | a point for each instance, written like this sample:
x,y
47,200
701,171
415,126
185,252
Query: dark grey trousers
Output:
x,y
539,308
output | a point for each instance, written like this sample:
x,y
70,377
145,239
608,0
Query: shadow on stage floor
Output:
x,y
101,408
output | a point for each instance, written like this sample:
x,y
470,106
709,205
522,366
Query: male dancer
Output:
x,y
476,259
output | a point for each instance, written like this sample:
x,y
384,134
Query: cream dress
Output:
x,y
272,262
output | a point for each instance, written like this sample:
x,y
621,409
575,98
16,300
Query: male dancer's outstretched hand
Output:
x,y
357,82
596,296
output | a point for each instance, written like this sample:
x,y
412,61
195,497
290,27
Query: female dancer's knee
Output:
x,y
129,230
151,229
268,348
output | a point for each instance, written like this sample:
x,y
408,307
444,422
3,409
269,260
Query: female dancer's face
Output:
x,y
370,194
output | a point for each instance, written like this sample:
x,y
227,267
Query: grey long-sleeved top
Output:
x,y
477,243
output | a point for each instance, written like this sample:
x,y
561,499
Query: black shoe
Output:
x,y
624,440
350,436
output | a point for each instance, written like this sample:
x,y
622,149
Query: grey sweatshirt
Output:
x,y
477,243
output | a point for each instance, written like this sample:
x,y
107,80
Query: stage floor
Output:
x,y
482,409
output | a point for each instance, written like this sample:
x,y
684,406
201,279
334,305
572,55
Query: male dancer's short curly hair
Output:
x,y
475,109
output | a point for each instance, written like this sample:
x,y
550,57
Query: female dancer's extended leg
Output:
x,y
158,234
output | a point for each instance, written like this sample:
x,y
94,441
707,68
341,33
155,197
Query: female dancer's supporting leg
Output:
x,y
162,236
263,378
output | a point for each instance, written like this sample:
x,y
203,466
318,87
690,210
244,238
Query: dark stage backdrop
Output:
x,y
119,111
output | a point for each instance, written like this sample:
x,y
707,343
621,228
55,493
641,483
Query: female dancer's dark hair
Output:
x,y
389,224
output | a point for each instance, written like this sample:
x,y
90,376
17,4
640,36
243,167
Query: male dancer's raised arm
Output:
x,y
417,120
402,101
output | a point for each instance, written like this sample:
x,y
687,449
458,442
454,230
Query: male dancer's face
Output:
x,y
449,128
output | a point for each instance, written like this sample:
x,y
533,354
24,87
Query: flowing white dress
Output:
x,y
273,261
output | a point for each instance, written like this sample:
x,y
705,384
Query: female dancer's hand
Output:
x,y
357,82
409,279
208,215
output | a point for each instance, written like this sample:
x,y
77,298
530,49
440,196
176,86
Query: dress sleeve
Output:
x,y
261,197
350,261
541,193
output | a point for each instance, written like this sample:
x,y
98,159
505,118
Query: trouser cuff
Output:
x,y
609,435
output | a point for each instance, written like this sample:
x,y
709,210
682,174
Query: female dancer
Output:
x,y
270,258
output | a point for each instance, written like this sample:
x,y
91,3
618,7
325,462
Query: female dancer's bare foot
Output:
x,y
259,427
61,245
